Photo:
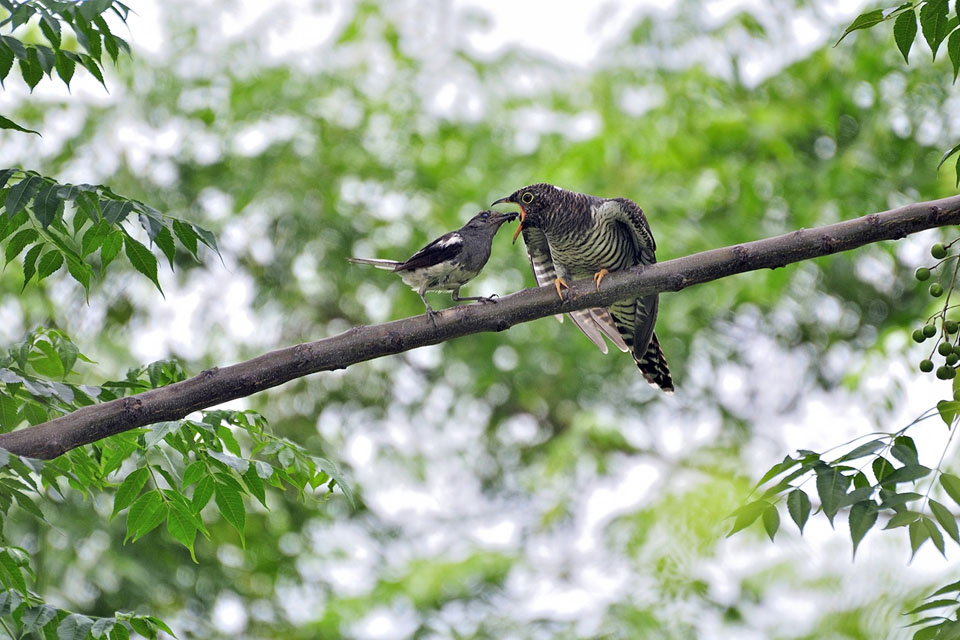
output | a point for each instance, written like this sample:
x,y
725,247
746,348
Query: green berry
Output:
x,y
956,349
936,290
945,348
922,274
929,330
951,326
943,372
952,359
918,335
938,251
926,366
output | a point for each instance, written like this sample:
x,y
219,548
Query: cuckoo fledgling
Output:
x,y
450,261
572,235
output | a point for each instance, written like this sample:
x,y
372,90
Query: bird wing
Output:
x,y
592,322
631,215
639,321
444,248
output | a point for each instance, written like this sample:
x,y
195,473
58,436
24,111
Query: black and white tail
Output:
x,y
389,265
654,367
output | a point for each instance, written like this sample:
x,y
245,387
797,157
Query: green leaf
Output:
x,y
193,473
93,237
746,515
863,515
21,193
946,519
934,534
7,123
863,450
30,69
145,514
187,236
17,243
49,263
905,32
202,492
933,604
129,489
255,485
948,410
74,627
115,211
142,259
11,570
933,23
102,627
181,528
902,519
230,504
953,586
905,450
30,263
50,27
863,21
206,237
109,248
951,484
881,468
953,52
6,61
5,175
47,204
771,520
165,241
37,617
65,66
909,473
918,535
9,412
831,487
80,271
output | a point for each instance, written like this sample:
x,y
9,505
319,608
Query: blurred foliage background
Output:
x,y
517,485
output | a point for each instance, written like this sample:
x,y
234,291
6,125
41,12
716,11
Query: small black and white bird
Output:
x,y
572,235
450,261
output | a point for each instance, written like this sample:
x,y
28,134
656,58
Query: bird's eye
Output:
x,y
526,198
484,215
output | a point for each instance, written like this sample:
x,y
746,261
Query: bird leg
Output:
x,y
484,299
598,276
560,284
430,312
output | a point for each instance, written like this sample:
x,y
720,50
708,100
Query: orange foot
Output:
x,y
598,276
560,284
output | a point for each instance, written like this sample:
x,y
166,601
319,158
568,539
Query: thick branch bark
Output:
x,y
215,386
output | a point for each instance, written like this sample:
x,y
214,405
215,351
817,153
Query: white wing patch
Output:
x,y
453,240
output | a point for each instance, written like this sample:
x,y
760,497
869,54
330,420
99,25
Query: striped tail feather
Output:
x,y
654,367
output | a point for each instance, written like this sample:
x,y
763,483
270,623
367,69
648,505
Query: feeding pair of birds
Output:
x,y
568,236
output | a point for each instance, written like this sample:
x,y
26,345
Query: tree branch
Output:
x,y
218,385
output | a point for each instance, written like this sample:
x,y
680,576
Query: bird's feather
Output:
x,y
444,248
594,323
379,264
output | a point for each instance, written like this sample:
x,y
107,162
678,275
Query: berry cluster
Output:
x,y
947,344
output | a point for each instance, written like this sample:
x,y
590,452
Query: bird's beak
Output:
x,y
523,215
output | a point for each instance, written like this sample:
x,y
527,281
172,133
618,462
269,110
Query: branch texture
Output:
x,y
218,385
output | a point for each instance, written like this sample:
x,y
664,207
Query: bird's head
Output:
x,y
533,201
490,221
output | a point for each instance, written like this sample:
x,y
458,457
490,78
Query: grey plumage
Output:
x,y
572,235
450,261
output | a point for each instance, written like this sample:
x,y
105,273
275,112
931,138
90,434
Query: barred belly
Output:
x,y
608,246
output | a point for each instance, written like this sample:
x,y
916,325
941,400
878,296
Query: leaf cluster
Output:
x,y
936,25
61,55
868,492
34,213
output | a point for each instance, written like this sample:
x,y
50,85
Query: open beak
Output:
x,y
523,215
